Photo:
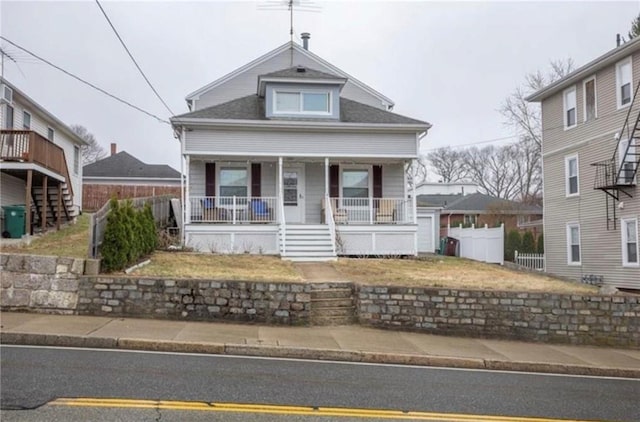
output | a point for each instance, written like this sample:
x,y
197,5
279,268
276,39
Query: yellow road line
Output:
x,y
292,410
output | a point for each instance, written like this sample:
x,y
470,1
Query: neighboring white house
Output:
x,y
290,155
454,188
40,160
591,155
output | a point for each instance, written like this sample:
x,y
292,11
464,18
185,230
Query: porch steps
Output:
x,y
333,306
308,243
68,210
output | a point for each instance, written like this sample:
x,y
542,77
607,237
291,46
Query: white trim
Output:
x,y
571,89
77,160
623,230
584,97
86,179
569,244
619,65
567,159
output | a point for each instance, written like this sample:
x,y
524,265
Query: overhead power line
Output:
x,y
133,59
66,72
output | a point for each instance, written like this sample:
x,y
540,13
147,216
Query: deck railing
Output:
x,y
30,147
233,209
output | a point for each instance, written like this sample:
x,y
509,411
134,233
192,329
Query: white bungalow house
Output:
x,y
290,155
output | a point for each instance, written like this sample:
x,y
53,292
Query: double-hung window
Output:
x,y
570,117
50,134
302,102
355,187
26,120
573,244
76,159
624,89
572,186
590,109
233,181
630,242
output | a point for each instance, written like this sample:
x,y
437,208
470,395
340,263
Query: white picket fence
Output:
x,y
533,261
480,244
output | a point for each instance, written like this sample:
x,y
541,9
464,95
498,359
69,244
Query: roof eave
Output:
x,y
606,59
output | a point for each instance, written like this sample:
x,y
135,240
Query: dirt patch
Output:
x,y
318,272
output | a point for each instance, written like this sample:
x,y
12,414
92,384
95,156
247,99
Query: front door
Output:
x,y
293,184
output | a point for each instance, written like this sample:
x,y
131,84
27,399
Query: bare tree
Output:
x,y
91,152
417,171
448,164
635,27
494,170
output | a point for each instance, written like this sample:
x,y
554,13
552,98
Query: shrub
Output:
x,y
540,245
513,243
528,243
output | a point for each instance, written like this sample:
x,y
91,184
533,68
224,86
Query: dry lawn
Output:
x,y
219,267
71,240
451,273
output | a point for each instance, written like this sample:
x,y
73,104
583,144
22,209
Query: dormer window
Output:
x,y
302,102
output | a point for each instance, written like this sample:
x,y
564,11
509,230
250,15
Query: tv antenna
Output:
x,y
289,5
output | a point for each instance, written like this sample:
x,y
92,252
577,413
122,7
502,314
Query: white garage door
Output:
x,y
425,234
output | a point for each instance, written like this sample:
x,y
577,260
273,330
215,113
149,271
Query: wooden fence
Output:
x,y
94,196
160,206
480,244
532,261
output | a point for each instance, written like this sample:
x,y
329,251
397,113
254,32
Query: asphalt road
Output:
x,y
31,377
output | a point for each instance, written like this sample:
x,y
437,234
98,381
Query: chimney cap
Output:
x,y
305,35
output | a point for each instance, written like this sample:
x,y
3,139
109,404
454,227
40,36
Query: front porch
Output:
x,y
306,209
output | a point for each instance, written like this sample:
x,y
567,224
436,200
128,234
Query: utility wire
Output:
x,y
133,59
85,82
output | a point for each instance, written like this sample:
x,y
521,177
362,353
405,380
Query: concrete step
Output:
x,y
309,258
330,294
331,303
323,320
329,312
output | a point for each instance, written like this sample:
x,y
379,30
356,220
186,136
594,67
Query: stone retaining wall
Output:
x,y
576,319
40,283
279,303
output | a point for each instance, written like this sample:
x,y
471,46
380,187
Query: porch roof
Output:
x,y
252,107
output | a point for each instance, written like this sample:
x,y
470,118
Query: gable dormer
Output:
x,y
301,93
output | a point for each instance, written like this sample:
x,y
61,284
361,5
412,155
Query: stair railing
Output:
x,y
629,136
328,217
283,227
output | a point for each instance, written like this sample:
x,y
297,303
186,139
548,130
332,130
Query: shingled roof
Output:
x,y
476,202
251,107
124,165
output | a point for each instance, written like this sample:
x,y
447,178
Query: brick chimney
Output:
x,y
113,148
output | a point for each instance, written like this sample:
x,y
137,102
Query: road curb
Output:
x,y
308,353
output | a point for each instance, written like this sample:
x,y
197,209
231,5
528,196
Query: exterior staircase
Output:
x,y
68,210
303,242
332,306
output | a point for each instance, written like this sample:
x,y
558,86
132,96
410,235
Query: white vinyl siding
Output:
x,y
573,244
570,109
308,143
572,176
590,99
624,82
630,250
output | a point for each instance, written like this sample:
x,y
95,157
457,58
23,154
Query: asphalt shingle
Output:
x,y
123,164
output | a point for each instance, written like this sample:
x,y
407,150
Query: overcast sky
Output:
x,y
448,63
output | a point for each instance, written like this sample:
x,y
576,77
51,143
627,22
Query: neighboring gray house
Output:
x,y
40,161
124,176
290,155
590,159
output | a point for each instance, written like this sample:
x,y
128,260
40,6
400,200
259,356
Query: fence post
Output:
x,y
515,257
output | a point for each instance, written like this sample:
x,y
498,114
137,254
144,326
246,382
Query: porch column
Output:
x,y
59,211
45,181
413,197
280,188
326,177
27,202
187,189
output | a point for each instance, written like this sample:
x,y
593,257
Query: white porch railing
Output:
x,y
533,261
328,217
372,210
233,209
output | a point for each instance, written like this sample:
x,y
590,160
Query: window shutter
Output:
x,y
334,181
210,179
255,179
377,181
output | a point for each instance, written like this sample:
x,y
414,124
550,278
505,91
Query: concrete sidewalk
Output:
x,y
343,343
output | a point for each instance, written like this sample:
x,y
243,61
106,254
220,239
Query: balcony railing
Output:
x,y
609,176
233,209
30,147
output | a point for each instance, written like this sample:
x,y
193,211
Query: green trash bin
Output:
x,y
14,216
